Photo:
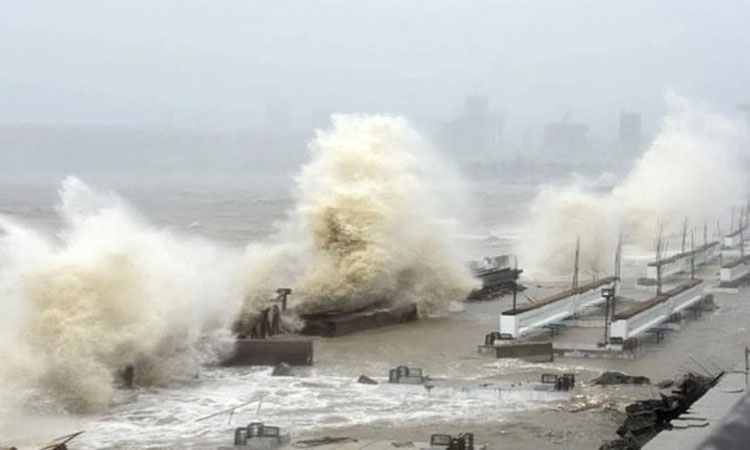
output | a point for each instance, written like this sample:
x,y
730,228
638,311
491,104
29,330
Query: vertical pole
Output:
x,y
721,241
684,235
659,249
742,242
606,319
747,363
575,266
692,254
515,282
618,266
705,233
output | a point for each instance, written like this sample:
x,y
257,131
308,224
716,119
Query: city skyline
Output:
x,y
84,62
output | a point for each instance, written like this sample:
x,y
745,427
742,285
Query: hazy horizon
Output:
x,y
227,66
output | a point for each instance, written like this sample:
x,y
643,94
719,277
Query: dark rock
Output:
x,y
646,418
282,370
366,380
620,444
665,384
609,378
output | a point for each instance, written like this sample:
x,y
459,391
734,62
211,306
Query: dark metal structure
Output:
x,y
496,276
464,441
335,323
564,382
406,375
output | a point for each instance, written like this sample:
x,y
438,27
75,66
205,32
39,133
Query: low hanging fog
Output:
x,y
230,88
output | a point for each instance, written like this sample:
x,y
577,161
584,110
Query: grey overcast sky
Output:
x,y
218,62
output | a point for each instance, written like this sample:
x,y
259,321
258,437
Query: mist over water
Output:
x,y
109,291
375,222
694,169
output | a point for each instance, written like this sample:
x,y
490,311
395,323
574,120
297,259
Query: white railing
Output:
x,y
682,262
668,268
732,240
633,325
706,254
734,271
528,319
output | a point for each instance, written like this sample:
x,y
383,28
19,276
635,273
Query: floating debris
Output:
x,y
364,379
282,370
258,436
406,375
563,382
609,378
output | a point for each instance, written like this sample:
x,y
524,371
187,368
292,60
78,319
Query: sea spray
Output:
x,y
374,224
692,170
695,168
109,292
563,219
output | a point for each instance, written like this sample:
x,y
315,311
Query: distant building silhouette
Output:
x,y
477,133
565,139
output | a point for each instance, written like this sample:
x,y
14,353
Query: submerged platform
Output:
x,y
338,324
271,352
684,262
532,318
528,351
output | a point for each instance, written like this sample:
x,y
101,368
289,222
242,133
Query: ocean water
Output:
x,y
326,395
326,398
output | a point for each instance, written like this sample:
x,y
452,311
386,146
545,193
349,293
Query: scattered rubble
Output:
x,y
646,418
665,384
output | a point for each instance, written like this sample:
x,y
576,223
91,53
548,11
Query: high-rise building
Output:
x,y
565,139
476,134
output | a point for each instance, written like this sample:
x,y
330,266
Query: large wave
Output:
x,y
375,221
694,169
110,291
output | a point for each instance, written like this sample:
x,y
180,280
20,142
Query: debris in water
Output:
x,y
406,375
282,370
60,443
364,379
258,436
609,378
